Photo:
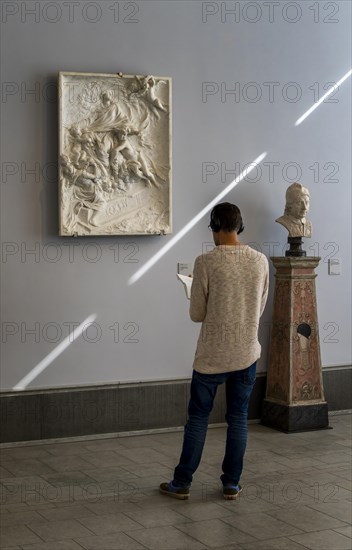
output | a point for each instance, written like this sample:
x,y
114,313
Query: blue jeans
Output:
x,y
239,385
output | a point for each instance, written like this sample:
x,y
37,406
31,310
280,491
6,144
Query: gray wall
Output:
x,y
195,43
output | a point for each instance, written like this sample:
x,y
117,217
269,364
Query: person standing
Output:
x,y
228,296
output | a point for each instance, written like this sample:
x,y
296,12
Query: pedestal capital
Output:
x,y
303,262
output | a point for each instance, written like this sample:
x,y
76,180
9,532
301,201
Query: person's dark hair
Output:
x,y
226,217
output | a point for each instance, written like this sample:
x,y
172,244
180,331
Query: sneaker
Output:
x,y
231,492
170,489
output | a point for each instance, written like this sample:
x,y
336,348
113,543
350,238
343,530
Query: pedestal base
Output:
x,y
295,418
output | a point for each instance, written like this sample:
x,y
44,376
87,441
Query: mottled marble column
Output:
x,y
295,394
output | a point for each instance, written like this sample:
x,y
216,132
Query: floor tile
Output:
x,y
261,526
101,445
157,517
109,473
4,474
117,541
334,457
26,507
25,452
104,459
141,455
13,535
268,467
323,540
139,441
347,531
278,492
19,518
344,490
215,533
162,538
109,523
49,496
112,507
341,510
203,511
152,469
65,512
307,519
242,505
67,478
345,474
53,545
345,443
59,530
22,492
27,467
155,500
273,544
67,449
70,464
326,491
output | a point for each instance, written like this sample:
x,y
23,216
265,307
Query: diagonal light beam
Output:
x,y
23,383
194,221
316,105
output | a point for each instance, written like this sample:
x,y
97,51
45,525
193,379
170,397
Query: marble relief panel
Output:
x,y
114,154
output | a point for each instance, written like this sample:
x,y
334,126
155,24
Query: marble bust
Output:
x,y
296,209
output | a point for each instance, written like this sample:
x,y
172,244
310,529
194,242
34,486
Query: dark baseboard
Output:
x,y
122,408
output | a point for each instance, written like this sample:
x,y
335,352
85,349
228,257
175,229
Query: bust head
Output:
x,y
297,201
296,209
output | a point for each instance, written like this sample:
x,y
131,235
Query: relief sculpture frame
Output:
x,y
114,154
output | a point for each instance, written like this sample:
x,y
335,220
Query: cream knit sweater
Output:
x,y
228,295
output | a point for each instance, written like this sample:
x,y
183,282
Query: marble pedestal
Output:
x,y
295,395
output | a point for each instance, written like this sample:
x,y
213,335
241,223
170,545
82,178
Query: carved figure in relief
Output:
x,y
146,88
86,190
67,168
296,209
76,144
107,117
128,152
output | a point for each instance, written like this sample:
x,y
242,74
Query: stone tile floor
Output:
x,y
102,494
